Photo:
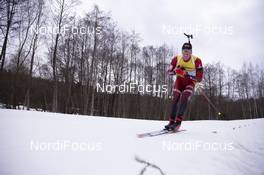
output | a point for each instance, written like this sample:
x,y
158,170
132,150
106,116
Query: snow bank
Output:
x,y
40,143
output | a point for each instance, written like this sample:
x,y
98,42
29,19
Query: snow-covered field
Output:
x,y
38,143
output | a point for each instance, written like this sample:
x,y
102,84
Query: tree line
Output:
x,y
54,60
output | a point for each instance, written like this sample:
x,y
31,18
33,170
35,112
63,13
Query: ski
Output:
x,y
157,133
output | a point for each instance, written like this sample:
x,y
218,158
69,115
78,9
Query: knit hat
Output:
x,y
187,46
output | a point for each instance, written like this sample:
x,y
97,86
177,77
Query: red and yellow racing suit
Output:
x,y
188,73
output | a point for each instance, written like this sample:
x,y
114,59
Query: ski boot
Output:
x,y
174,126
168,126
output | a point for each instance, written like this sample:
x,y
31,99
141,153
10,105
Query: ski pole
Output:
x,y
210,102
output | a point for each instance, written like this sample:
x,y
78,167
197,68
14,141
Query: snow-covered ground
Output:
x,y
38,143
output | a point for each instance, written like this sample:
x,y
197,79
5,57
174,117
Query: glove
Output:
x,y
185,74
180,72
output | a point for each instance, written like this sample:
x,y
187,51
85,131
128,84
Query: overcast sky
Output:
x,y
230,31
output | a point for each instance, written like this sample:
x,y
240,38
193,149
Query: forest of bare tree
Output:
x,y
53,60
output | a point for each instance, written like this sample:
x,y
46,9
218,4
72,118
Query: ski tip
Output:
x,y
138,136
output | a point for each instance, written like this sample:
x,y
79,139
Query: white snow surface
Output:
x,y
42,143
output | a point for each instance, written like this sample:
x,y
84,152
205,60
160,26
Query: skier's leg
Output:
x,y
177,90
186,94
176,97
